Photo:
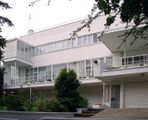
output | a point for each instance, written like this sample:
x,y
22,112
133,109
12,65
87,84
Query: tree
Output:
x,y
67,91
130,11
3,20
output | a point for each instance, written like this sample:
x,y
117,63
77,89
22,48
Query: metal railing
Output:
x,y
127,62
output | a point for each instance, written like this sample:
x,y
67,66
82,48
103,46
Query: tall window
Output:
x,y
80,41
81,69
88,68
90,38
95,38
14,75
57,69
107,93
42,74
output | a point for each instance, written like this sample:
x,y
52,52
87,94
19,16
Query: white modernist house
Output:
x,y
109,76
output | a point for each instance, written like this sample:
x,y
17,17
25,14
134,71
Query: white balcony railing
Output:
x,y
127,62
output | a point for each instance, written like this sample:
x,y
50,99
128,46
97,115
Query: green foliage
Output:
x,y
67,92
3,20
56,105
19,101
39,103
15,101
135,11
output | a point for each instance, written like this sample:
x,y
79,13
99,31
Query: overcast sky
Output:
x,y
42,15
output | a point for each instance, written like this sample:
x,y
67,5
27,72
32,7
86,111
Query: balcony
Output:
x,y
31,81
125,67
18,51
86,70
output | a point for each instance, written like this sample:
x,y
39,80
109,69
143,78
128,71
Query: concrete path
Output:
x,y
141,113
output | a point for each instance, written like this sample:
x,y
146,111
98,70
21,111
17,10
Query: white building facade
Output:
x,y
108,76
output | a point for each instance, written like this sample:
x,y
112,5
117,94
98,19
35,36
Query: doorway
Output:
x,y
115,96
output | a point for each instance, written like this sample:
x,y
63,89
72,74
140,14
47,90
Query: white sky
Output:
x,y
43,16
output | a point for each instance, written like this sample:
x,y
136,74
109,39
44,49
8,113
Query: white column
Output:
x,y
122,95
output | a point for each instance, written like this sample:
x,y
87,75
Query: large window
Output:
x,y
65,44
14,75
57,69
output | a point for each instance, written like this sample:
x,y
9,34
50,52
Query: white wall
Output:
x,y
94,94
70,55
10,49
63,32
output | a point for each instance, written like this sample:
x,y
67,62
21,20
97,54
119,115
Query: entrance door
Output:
x,y
115,96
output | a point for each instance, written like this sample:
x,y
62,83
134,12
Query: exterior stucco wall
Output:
x,y
63,32
70,55
94,94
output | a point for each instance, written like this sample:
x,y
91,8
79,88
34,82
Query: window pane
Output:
x,y
18,45
88,68
80,42
69,43
73,42
95,38
85,41
59,45
49,48
52,46
57,69
65,44
106,93
90,38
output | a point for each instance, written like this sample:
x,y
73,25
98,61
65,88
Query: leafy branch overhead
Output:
x,y
129,11
135,11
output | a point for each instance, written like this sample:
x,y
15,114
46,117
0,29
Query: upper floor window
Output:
x,y
65,44
95,38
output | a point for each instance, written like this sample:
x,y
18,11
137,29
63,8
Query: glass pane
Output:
x,y
85,41
69,43
65,44
90,40
53,47
59,45
80,42
73,42
95,38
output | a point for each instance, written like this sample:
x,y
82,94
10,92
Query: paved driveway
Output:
x,y
62,118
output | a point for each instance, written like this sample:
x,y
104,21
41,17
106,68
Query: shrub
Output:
x,y
55,105
67,91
